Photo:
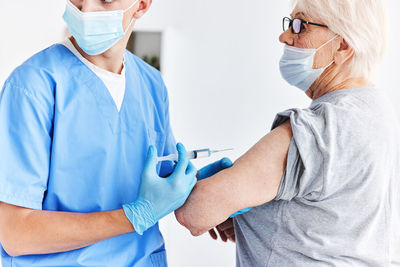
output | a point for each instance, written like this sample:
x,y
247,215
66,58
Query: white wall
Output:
x,y
220,62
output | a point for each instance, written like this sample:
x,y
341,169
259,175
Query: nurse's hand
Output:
x,y
159,196
240,212
214,168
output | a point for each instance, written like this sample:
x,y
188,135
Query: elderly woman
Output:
x,y
326,180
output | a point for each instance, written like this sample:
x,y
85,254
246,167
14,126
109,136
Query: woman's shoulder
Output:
x,y
367,103
341,109
354,98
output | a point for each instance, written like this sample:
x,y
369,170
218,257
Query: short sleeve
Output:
x,y
304,174
25,143
167,167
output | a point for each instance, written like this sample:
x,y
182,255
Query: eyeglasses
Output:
x,y
297,25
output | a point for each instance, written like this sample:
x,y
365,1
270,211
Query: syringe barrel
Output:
x,y
171,157
202,153
175,157
191,154
194,154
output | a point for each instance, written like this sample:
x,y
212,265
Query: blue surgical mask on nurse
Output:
x,y
96,32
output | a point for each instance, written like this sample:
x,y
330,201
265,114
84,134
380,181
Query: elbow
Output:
x,y
13,235
10,247
12,252
197,231
189,222
12,241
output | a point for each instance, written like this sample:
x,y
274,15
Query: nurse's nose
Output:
x,y
89,6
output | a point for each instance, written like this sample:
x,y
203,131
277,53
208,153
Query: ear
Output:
x,y
144,5
344,53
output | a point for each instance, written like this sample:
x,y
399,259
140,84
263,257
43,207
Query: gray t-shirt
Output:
x,y
338,203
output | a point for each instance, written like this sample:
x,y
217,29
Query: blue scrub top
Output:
x,y
65,147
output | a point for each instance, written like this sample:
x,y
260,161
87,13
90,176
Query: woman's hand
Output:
x,y
226,231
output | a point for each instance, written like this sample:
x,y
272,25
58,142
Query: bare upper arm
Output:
x,y
260,170
253,180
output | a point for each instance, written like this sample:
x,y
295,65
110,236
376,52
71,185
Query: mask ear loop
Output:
x,y
130,24
330,40
134,3
133,19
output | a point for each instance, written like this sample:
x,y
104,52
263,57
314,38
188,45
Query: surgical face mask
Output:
x,y
296,66
95,32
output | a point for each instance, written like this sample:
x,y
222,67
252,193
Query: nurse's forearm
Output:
x,y
25,231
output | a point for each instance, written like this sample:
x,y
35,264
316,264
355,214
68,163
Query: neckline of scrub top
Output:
x,y
68,43
104,100
100,71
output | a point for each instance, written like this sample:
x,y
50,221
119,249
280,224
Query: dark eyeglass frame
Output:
x,y
301,25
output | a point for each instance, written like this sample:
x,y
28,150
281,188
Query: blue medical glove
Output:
x,y
159,196
214,168
240,212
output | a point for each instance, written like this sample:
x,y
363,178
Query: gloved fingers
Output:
x,y
183,160
208,170
193,183
240,212
214,168
191,169
226,163
192,175
245,210
151,160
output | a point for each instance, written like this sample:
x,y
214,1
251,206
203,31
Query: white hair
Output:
x,y
362,23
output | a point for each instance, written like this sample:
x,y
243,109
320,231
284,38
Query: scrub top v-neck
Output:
x,y
65,147
115,83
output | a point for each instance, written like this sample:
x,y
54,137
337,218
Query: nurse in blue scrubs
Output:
x,y
81,125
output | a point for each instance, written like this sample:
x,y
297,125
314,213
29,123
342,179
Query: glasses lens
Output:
x,y
286,24
296,26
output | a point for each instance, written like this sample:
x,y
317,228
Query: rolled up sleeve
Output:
x,y
304,174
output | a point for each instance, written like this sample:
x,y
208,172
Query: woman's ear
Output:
x,y
344,53
144,5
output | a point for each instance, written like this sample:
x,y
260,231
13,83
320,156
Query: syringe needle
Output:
x,y
221,150
199,153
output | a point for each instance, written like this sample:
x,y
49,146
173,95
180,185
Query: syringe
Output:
x,y
194,154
